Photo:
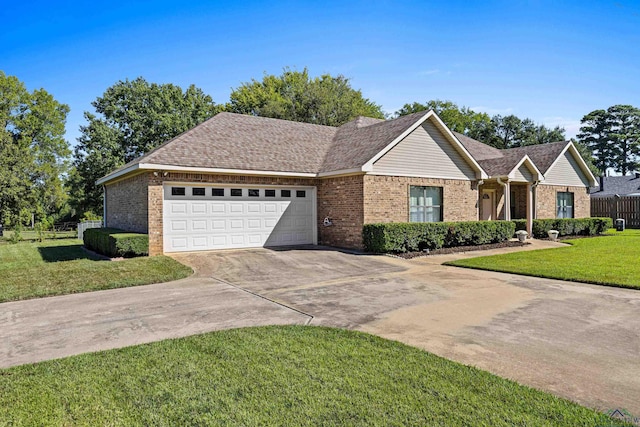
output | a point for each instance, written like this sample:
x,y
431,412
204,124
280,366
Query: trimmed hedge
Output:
x,y
567,226
113,242
417,236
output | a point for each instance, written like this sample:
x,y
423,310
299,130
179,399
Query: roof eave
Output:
x,y
173,168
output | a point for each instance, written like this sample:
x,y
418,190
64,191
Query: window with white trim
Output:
x,y
564,204
425,204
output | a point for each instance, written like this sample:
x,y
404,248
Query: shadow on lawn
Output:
x,y
65,253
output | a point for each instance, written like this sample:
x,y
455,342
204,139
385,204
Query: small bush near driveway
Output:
x,y
116,243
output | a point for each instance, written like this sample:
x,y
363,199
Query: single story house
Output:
x,y
610,186
239,181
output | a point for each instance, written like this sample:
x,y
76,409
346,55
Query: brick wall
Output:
x,y
386,198
546,201
341,199
127,205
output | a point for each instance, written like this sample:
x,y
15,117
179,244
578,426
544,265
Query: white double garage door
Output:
x,y
205,217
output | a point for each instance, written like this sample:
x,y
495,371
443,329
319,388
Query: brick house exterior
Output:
x,y
360,173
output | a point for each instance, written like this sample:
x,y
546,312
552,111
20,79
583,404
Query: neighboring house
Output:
x,y
610,186
239,181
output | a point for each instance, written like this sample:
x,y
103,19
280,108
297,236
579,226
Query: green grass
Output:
x,y
612,259
56,267
292,375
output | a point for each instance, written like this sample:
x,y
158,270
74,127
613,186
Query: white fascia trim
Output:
x,y
530,163
576,155
480,173
171,168
115,175
340,172
412,175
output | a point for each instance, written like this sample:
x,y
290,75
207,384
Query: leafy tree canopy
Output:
x,y
613,137
294,95
498,131
33,152
131,118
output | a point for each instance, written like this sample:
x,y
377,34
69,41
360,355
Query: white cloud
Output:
x,y
571,126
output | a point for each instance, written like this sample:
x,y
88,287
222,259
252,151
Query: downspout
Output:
x,y
481,182
104,206
506,190
534,187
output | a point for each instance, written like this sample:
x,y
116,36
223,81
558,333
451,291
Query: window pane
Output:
x,y
197,191
415,194
285,193
237,192
416,214
178,191
269,193
254,193
301,193
218,192
433,196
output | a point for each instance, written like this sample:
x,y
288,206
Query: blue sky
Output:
x,y
547,60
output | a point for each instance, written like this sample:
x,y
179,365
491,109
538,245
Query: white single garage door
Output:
x,y
205,217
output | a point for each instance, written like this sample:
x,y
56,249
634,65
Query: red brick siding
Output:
x,y
341,199
386,198
546,200
127,205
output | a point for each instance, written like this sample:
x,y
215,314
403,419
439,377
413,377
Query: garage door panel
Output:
x,y
198,208
219,222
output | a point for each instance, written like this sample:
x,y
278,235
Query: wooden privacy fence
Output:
x,y
625,207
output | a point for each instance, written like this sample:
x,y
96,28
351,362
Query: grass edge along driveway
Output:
x,y
275,375
58,267
611,259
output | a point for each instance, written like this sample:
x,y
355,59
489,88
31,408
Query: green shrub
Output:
x,y
416,236
116,243
570,226
16,236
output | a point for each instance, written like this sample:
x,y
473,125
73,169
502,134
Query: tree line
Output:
x,y
41,176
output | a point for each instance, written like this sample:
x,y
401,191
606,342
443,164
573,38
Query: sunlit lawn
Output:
x,y
280,376
61,266
612,259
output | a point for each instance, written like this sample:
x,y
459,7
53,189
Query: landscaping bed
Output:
x,y
276,375
457,249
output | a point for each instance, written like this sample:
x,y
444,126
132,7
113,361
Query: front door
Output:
x,y
488,205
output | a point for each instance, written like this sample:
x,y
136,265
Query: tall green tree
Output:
x,y
131,118
613,136
459,119
294,95
33,152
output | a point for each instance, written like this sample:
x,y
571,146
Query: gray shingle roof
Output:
x,y
612,185
243,142
501,162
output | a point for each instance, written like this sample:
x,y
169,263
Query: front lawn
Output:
x,y
612,259
56,267
292,375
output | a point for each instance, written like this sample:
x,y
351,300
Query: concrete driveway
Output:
x,y
574,340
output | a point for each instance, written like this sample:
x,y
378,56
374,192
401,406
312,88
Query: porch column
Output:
x,y
507,201
530,210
